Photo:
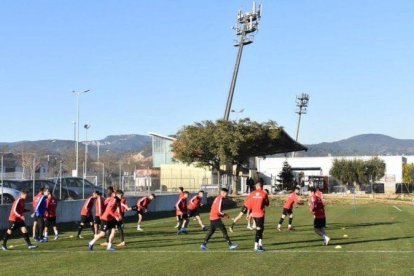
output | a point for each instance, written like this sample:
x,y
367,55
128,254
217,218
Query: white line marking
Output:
x,y
397,208
219,251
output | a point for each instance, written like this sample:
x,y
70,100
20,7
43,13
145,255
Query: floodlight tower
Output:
x,y
247,25
302,103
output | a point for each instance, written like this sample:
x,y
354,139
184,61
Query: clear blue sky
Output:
x,y
158,65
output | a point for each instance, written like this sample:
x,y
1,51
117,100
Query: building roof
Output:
x,y
161,136
285,144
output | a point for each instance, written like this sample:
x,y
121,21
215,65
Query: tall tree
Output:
x,y
286,177
408,173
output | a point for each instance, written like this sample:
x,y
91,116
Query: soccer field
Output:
x,y
380,241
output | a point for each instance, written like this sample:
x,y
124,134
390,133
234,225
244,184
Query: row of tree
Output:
x,y
358,171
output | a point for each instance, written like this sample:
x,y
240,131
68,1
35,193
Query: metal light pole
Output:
x,y
86,126
103,176
98,153
247,24
2,171
302,103
77,93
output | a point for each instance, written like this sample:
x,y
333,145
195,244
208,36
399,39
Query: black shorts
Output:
x,y
259,223
183,216
97,220
287,211
86,219
108,225
120,224
13,225
244,210
193,213
50,222
319,223
140,212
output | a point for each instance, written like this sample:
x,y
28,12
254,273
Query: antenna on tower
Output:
x,y
247,24
302,103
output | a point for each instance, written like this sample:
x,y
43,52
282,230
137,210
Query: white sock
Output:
x,y
290,226
45,235
260,243
56,232
92,242
256,245
202,226
109,245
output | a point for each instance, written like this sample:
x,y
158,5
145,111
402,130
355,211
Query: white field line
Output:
x,y
102,251
397,208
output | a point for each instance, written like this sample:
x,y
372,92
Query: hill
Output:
x,y
366,144
117,144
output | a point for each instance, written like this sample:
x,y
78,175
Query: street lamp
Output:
x,y
78,93
86,126
237,112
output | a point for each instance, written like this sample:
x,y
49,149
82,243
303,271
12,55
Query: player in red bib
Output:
x,y
16,221
216,214
50,215
244,211
109,221
142,207
259,200
193,208
292,199
180,195
317,208
86,214
181,213
319,194
120,224
99,209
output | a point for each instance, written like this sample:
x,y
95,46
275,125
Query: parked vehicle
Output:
x,y
8,192
73,187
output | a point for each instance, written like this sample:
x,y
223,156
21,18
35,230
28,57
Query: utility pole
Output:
x,y
77,93
86,126
247,24
302,103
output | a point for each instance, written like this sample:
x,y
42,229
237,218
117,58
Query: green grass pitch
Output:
x,y
380,241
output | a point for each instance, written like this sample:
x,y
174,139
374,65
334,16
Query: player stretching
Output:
x,y
16,220
258,202
86,214
318,210
216,214
180,195
121,212
142,207
39,210
181,213
108,221
292,199
50,215
99,209
243,212
193,206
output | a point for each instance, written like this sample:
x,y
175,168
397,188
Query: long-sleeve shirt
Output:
x,y
216,211
39,204
195,203
87,207
143,203
181,206
258,201
51,205
99,206
110,213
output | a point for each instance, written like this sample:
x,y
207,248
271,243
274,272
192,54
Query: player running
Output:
x,y
86,215
50,216
292,199
142,207
259,200
99,209
181,213
193,208
39,210
16,221
216,214
180,195
317,208
109,221
244,211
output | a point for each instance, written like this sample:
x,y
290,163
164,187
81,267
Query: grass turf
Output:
x,y
380,241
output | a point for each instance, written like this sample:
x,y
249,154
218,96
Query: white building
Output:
x,y
270,167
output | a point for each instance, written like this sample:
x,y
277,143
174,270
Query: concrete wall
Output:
x,y
69,211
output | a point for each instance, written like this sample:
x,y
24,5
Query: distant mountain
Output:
x,y
117,144
366,144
